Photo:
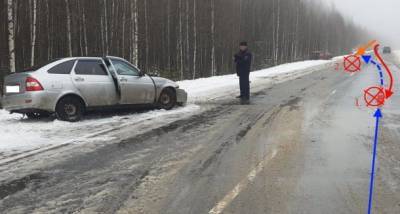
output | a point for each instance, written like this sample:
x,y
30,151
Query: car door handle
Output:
x,y
123,80
79,79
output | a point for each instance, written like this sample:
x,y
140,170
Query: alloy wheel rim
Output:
x,y
165,99
70,109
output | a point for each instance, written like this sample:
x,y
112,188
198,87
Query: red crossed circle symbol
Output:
x,y
374,96
352,63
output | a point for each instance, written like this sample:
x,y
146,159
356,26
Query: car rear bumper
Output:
x,y
181,96
27,102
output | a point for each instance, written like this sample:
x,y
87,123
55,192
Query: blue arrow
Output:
x,y
377,115
366,58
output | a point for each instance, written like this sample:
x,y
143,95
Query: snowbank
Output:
x,y
396,55
206,88
18,134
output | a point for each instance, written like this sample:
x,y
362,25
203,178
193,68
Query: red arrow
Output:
x,y
389,91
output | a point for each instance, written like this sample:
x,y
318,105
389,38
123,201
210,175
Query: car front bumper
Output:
x,y
181,96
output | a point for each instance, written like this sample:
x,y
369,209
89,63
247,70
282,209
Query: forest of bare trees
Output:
x,y
182,39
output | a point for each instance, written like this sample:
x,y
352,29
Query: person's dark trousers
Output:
x,y
244,86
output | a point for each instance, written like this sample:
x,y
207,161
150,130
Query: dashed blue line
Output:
x,y
380,71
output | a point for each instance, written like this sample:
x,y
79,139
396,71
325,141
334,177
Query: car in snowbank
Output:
x,y
70,86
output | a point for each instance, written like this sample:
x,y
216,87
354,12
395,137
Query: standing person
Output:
x,y
243,65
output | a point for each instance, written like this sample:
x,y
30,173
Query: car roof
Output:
x,y
91,57
61,60
58,61
115,57
87,57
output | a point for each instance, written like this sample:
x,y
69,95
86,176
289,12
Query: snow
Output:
x,y
207,88
20,134
396,54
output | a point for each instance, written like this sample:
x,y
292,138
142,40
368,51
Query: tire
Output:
x,y
167,99
70,109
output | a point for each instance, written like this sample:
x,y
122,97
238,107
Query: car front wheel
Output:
x,y
70,109
167,99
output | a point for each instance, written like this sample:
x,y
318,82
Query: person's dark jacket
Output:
x,y
243,62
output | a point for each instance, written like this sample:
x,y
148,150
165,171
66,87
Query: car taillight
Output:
x,y
33,85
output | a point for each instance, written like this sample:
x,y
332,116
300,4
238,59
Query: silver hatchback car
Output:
x,y
71,86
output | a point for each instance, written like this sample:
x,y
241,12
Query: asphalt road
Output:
x,y
302,146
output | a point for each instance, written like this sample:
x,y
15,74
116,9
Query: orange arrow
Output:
x,y
362,49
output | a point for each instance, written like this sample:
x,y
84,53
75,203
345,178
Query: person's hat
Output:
x,y
243,43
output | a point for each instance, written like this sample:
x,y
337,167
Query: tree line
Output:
x,y
181,39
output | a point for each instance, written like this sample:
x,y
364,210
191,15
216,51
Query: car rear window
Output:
x,y
37,66
90,67
62,68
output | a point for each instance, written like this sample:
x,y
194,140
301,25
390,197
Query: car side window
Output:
x,y
62,68
124,68
90,67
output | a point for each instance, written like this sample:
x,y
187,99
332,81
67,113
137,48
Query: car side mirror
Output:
x,y
141,73
154,74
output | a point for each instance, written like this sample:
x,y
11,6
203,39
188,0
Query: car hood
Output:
x,y
159,81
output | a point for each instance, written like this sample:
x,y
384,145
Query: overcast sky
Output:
x,y
379,16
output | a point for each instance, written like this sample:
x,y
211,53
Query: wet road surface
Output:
x,y
302,146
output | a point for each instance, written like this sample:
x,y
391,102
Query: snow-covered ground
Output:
x,y
396,54
218,86
18,134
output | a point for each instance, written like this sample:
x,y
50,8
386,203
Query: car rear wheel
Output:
x,y
167,99
70,109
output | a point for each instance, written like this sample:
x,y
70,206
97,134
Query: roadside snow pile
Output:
x,y
289,68
18,135
206,88
396,54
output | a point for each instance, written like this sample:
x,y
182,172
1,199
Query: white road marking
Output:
x,y
221,205
333,92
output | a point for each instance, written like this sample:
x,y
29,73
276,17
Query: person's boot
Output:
x,y
239,97
245,101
